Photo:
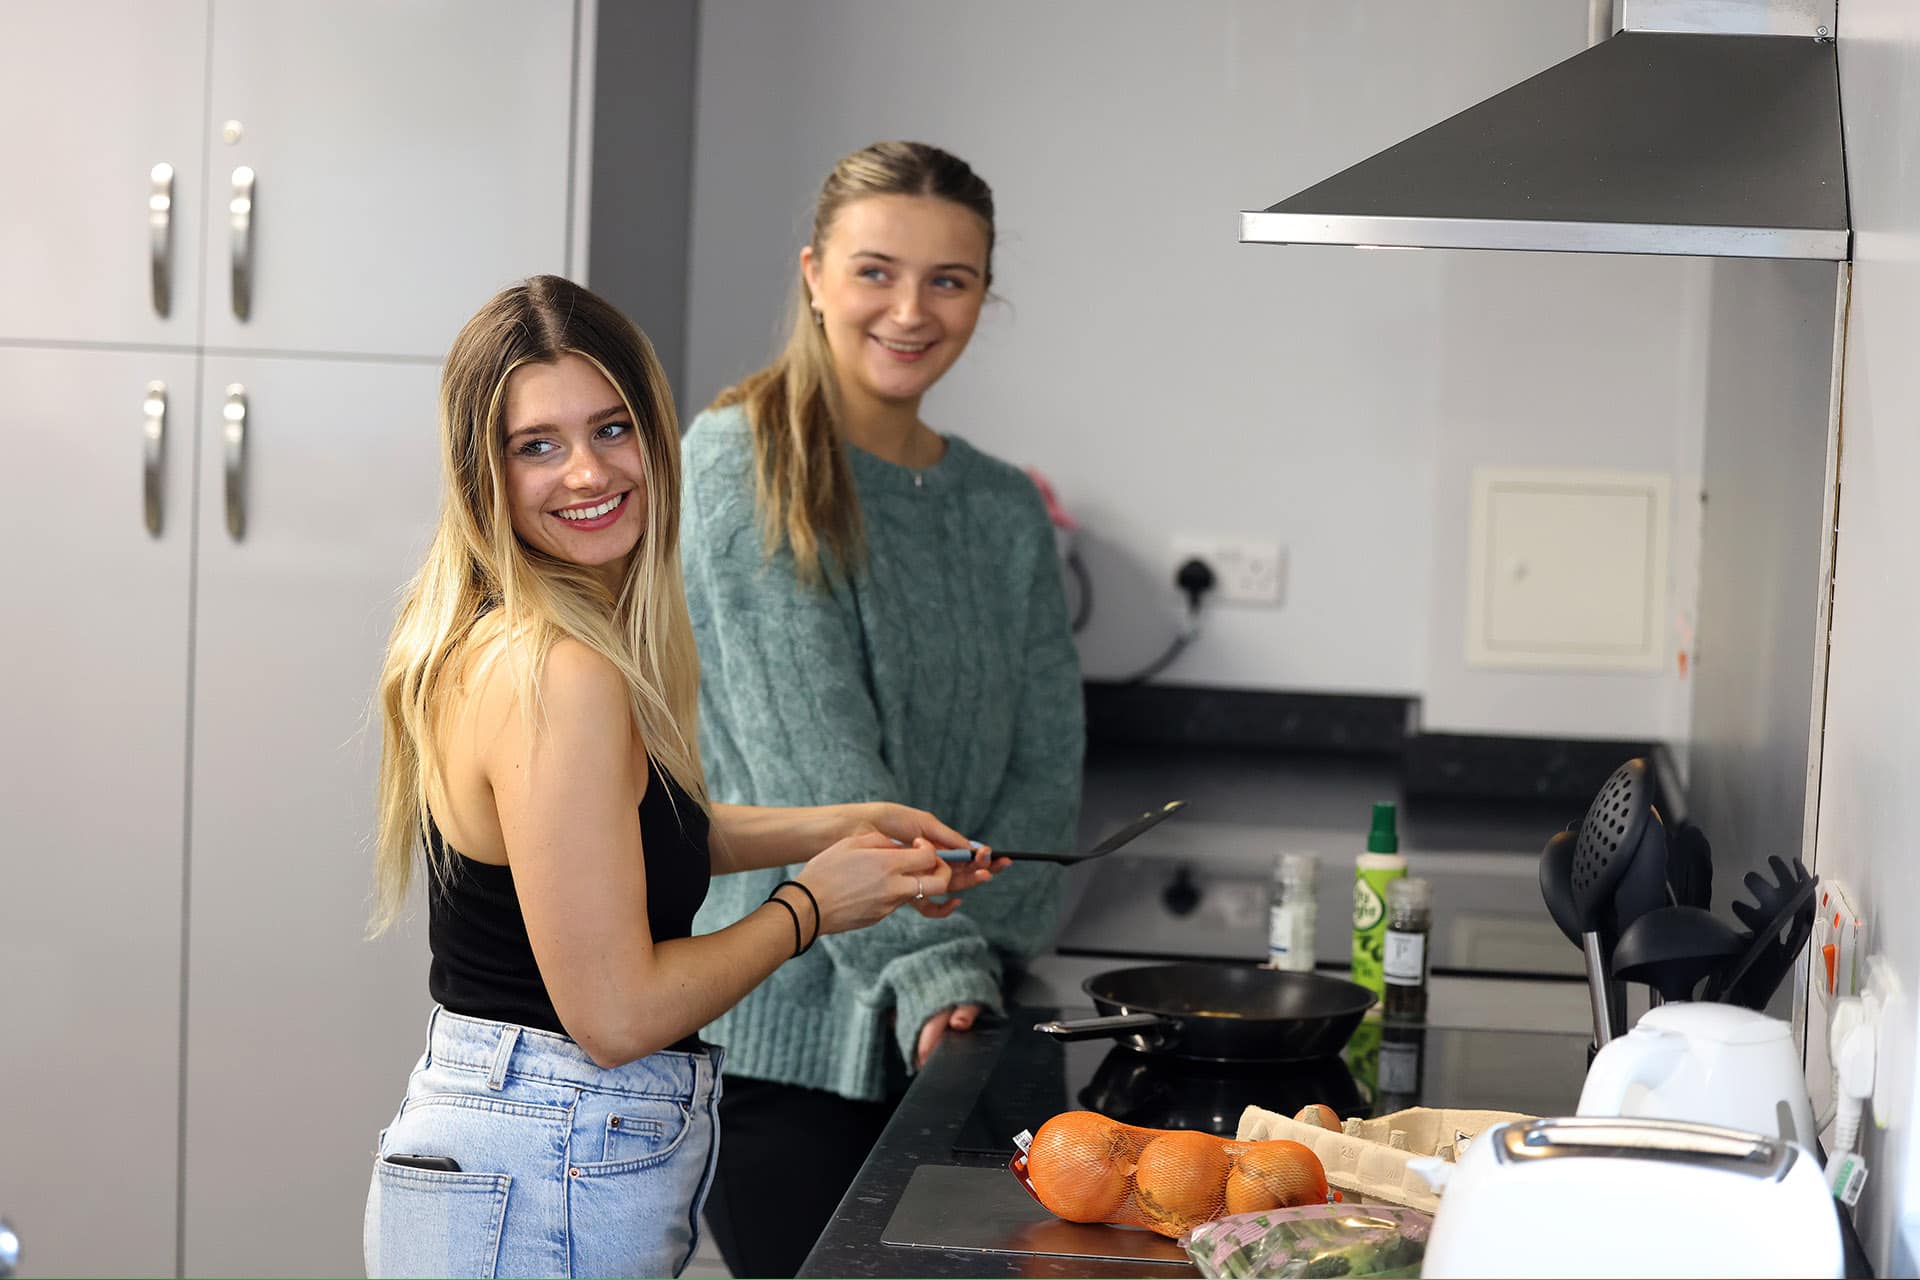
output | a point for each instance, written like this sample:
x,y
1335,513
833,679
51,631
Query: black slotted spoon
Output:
x,y
1605,846
1777,929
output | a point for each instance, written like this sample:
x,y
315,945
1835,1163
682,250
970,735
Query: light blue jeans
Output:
x,y
566,1168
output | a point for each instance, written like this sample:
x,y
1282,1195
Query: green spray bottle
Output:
x,y
1371,872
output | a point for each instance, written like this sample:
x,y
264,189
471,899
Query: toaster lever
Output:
x,y
1735,1150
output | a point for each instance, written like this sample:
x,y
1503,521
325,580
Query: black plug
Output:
x,y
1195,577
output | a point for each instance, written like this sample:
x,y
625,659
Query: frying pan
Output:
x,y
1139,826
1167,1093
1220,1013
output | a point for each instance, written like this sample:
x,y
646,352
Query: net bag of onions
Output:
x,y
1086,1168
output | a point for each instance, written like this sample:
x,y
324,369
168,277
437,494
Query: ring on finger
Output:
x,y
921,888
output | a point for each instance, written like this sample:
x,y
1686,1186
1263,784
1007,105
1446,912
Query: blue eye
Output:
x,y
613,430
950,282
873,273
535,448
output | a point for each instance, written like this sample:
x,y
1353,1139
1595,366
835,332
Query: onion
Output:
x,y
1079,1165
1181,1181
1275,1175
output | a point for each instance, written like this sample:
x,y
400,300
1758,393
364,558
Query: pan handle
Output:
x,y
1104,1028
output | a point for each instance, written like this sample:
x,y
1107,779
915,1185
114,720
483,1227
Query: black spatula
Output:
x,y
1145,822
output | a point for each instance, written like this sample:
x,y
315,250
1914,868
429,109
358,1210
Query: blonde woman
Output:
x,y
879,612
539,699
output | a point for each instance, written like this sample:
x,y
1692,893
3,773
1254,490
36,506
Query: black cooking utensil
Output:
x,y
1140,825
1220,1013
1556,884
1770,896
1775,960
1556,889
1689,866
1781,905
1609,836
1672,948
1643,885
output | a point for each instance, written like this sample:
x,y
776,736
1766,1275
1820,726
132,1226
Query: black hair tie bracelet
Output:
x,y
816,911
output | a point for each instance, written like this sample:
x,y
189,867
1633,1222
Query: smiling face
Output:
x,y
576,482
899,281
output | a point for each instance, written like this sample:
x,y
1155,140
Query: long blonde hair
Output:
x,y
802,486
480,582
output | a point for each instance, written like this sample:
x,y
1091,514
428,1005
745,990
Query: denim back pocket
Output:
x,y
640,1131
425,1222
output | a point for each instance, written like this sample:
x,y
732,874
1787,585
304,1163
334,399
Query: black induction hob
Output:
x,y
1386,1067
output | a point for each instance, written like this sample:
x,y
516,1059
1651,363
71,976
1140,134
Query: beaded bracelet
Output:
x,y
816,910
782,902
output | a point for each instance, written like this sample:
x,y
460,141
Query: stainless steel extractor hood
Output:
x,y
1707,127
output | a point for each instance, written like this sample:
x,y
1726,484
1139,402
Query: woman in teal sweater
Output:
x,y
879,613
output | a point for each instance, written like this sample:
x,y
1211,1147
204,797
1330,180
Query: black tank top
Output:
x,y
483,964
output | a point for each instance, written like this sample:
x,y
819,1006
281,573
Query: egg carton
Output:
x,y
1367,1160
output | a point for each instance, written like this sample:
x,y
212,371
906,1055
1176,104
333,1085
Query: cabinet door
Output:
x,y
92,790
408,161
94,95
302,1031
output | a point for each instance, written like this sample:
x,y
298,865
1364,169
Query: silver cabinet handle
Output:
x,y
160,236
236,453
240,219
9,1249
156,452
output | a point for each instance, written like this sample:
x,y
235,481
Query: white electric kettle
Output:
x,y
1709,1063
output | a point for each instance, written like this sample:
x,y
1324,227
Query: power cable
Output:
x,y
1195,578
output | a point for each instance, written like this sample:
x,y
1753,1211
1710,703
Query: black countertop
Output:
x,y
981,1089
930,1122
923,1131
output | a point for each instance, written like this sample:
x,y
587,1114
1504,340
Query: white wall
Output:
x,y
1869,801
1567,360
1171,380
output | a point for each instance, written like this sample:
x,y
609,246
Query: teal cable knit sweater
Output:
x,y
943,676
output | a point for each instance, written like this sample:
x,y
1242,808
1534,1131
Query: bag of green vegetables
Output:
x,y
1312,1240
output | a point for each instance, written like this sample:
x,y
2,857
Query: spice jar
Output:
x,y
1409,923
1292,914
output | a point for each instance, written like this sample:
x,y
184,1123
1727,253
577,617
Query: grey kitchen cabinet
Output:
x,y
406,159
96,95
300,1032
198,1044
92,804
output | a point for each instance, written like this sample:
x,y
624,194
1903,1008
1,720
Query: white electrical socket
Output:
x,y
1841,926
1893,1058
1245,570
